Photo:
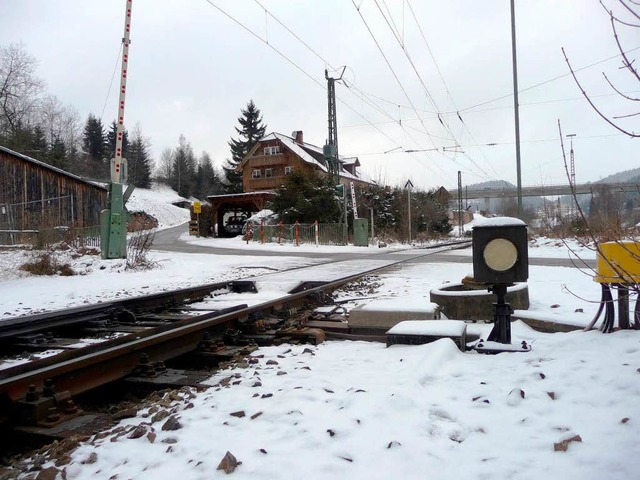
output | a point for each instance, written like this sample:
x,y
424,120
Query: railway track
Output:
x,y
91,346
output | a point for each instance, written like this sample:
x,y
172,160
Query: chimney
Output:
x,y
298,136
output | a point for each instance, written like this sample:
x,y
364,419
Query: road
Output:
x,y
168,240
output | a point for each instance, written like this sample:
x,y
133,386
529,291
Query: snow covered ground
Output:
x,y
355,410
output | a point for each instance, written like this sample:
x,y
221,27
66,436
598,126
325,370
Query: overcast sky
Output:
x,y
192,69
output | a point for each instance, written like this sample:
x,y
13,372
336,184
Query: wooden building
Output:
x,y
275,156
264,169
35,196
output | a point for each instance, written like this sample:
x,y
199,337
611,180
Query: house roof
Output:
x,y
50,167
308,152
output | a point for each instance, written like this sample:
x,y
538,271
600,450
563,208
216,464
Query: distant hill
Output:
x,y
631,176
489,184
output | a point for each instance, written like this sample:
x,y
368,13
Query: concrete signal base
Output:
x,y
377,317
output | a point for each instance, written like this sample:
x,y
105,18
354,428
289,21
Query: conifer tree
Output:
x,y
251,130
139,160
39,147
184,167
58,154
94,146
111,138
207,180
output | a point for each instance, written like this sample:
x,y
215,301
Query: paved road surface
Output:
x,y
168,240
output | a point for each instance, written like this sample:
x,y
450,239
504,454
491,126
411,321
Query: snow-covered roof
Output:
x,y
350,161
302,151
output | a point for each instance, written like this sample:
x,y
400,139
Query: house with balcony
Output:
x,y
275,156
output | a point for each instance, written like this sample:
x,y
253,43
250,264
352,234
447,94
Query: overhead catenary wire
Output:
x,y
558,77
393,72
426,90
444,82
321,84
113,76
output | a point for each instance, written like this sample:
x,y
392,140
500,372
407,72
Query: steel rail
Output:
x,y
84,369
29,324
60,318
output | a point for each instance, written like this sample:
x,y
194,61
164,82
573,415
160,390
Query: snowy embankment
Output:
x,y
158,202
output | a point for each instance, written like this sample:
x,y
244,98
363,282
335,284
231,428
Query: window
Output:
x,y
268,172
255,174
288,170
272,150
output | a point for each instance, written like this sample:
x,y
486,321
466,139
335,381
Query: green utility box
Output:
x,y
361,232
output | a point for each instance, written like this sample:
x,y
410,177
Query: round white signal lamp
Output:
x,y
500,254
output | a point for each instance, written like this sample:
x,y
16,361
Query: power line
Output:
x,y
549,80
396,77
113,76
557,100
361,96
424,87
495,144
230,17
464,124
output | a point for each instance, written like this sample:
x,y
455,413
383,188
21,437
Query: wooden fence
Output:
x,y
298,233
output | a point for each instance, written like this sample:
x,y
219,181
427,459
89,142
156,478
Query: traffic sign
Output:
x,y
197,207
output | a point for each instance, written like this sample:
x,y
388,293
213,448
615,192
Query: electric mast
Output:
x,y
113,220
331,148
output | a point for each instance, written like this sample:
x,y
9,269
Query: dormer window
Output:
x,y
275,150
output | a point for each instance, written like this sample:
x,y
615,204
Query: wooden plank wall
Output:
x,y
30,197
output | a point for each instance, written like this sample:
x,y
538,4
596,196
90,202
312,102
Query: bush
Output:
x,y
138,247
46,264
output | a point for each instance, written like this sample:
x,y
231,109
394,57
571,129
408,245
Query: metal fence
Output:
x,y
75,237
327,233
44,238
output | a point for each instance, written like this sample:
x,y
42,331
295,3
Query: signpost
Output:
x,y
197,209
409,186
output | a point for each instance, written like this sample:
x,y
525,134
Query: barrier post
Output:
x,y
316,228
297,226
262,231
280,225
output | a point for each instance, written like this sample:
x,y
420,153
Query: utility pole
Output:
x,y
516,107
572,180
113,220
460,219
409,186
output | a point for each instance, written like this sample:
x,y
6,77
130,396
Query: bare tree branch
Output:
x,y
604,117
20,89
618,91
626,116
627,62
610,12
629,9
